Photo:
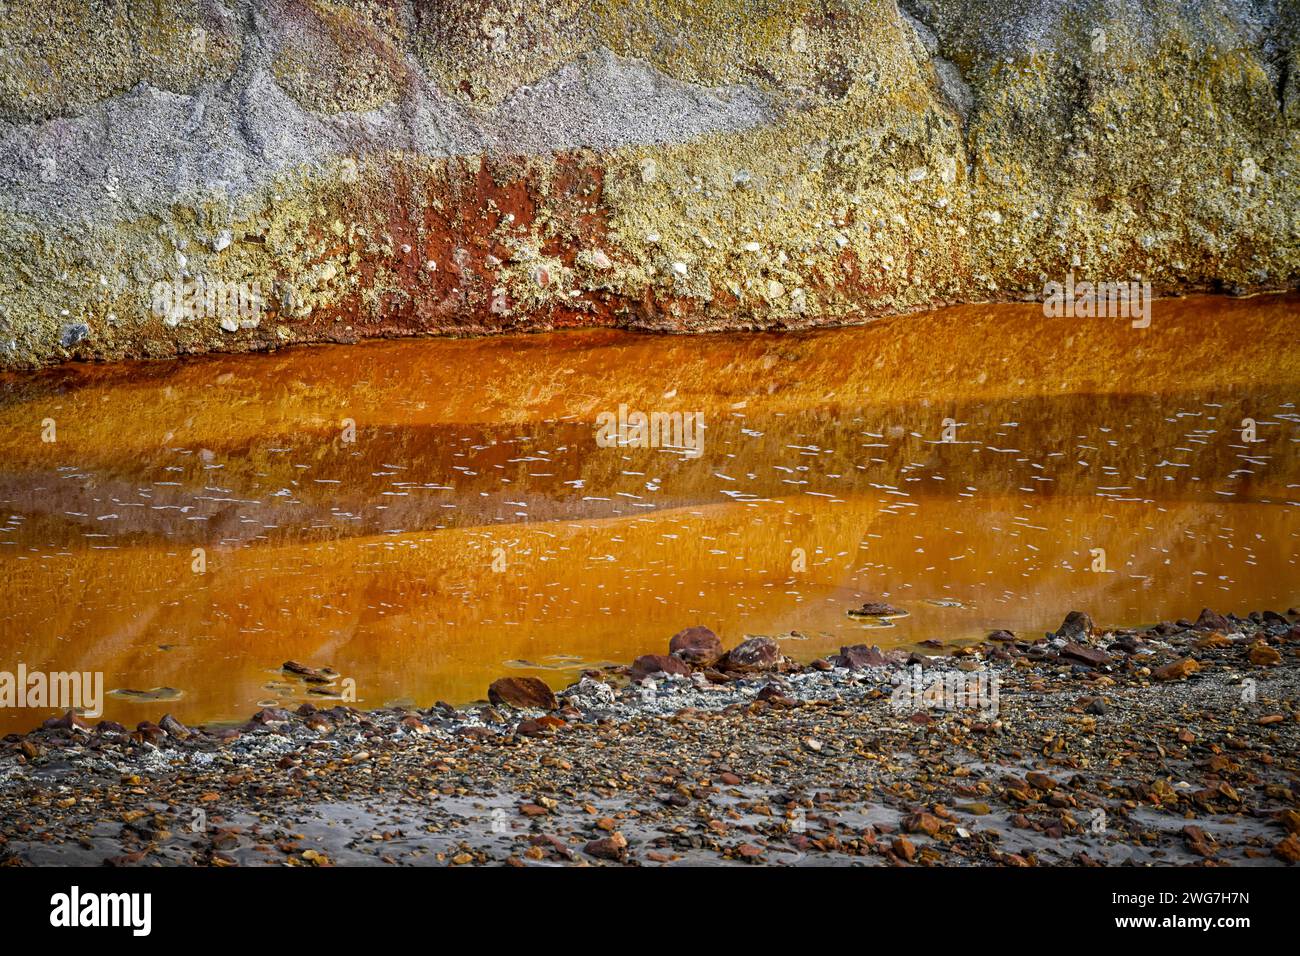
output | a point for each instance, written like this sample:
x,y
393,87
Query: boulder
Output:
x,y
175,728
320,675
922,822
1092,656
612,847
876,609
1040,781
755,654
648,664
71,720
1212,621
696,645
1077,626
589,694
522,692
1262,655
1176,670
858,656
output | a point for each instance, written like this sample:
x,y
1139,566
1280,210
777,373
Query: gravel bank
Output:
x,y
1174,744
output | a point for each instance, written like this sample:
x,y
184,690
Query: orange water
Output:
x,y
475,527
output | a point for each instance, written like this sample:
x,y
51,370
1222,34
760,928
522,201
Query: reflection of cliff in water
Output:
x,y
376,556
293,485
422,615
482,432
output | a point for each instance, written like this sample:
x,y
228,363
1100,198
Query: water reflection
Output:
x,y
425,515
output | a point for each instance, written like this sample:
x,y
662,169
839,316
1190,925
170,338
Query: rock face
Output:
x,y
239,175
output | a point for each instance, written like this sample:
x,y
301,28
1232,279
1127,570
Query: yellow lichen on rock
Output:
x,y
358,167
62,57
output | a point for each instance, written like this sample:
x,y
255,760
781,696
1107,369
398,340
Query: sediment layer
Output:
x,y
201,176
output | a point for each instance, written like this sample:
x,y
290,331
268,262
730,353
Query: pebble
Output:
x,y
1264,656
1176,670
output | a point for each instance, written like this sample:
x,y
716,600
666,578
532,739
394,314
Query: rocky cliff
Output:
x,y
240,174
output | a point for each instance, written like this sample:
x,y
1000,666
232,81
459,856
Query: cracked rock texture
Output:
x,y
236,175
